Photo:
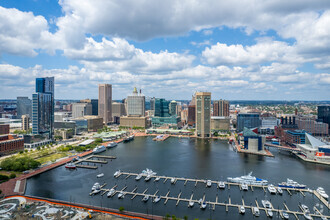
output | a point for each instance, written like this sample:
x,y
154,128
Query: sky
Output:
x,y
235,49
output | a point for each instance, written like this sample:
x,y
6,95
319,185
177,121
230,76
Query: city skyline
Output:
x,y
278,52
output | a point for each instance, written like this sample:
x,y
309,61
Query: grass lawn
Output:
x,y
52,157
7,173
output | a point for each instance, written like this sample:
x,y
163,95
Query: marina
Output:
x,y
89,159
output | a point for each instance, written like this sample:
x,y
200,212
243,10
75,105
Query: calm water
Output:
x,y
194,158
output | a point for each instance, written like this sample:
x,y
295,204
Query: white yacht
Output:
x,y
121,195
271,189
321,191
266,204
96,186
157,199
222,185
117,173
242,210
145,198
244,187
99,149
173,180
270,213
208,183
256,211
203,205
292,184
279,190
138,177
249,179
147,178
100,175
111,192
191,203
157,179
112,144
305,208
285,215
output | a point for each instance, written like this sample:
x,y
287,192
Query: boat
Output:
x,y
145,198
147,178
131,137
292,184
271,189
270,213
70,166
138,177
308,216
266,204
157,199
126,139
121,195
173,180
305,208
203,205
96,186
208,183
248,179
99,149
191,203
157,179
222,185
200,201
117,173
242,210
244,187
285,215
321,191
100,175
279,190
112,144
256,211
111,192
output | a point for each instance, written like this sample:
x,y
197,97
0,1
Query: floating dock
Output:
x,y
91,159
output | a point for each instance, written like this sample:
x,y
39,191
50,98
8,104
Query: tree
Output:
x,y
121,209
12,176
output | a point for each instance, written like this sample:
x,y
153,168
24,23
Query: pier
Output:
x,y
91,159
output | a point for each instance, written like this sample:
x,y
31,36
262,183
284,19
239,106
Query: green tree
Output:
x,y
121,209
12,176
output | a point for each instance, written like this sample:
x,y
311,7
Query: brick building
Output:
x,y
9,143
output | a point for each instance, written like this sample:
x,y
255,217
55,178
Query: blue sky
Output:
x,y
273,50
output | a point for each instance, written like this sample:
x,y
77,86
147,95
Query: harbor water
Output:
x,y
190,158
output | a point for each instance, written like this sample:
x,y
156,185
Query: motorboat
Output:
x,y
126,139
99,149
249,179
203,205
112,144
305,208
138,177
285,215
279,190
157,199
271,189
111,192
242,210
244,187
147,178
208,183
145,198
308,216
292,184
266,204
157,179
96,186
270,213
191,203
324,218
321,191
70,166
256,211
173,180
100,175
131,137
121,195
222,185
117,173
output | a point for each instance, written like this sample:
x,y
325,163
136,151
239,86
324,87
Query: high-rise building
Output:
x,y
221,108
323,114
152,103
118,109
203,114
95,106
172,108
43,107
24,106
25,122
136,104
162,108
105,100
191,115
81,109
248,120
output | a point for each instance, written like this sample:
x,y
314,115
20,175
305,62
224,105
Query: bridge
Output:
x,y
283,147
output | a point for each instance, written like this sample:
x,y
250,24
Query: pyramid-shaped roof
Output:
x,y
315,143
249,133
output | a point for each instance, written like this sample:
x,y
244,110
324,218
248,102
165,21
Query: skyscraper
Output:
x,y
203,114
95,105
43,107
105,100
24,106
221,108
162,108
323,114
81,109
136,104
25,122
172,107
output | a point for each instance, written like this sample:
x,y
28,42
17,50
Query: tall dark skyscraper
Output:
x,y
24,106
323,113
162,108
43,107
95,106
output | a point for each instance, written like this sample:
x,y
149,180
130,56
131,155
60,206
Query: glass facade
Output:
x,y
160,121
248,120
162,108
24,106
